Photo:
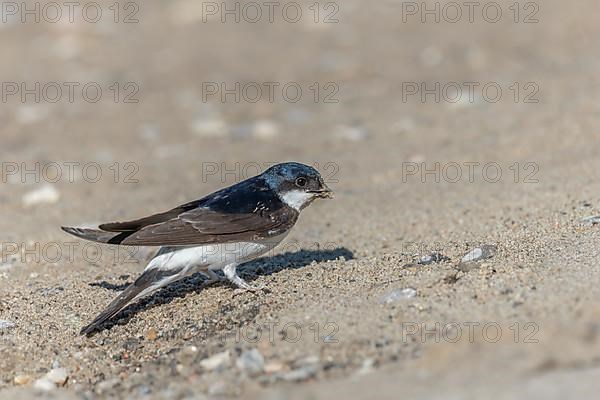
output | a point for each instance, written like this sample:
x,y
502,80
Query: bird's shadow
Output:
x,y
248,271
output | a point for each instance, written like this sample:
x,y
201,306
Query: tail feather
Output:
x,y
97,235
113,308
150,281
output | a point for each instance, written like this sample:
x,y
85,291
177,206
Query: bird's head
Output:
x,y
297,184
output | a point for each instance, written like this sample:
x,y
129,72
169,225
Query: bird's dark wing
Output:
x,y
247,211
205,226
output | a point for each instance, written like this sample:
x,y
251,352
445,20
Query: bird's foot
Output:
x,y
212,278
243,287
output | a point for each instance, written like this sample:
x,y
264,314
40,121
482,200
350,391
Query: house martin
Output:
x,y
218,232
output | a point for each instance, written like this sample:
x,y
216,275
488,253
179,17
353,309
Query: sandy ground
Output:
x,y
521,323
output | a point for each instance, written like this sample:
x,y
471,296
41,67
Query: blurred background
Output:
x,y
114,110
172,87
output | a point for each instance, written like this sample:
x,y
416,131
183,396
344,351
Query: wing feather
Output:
x,y
247,211
204,226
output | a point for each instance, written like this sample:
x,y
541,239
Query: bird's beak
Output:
x,y
325,192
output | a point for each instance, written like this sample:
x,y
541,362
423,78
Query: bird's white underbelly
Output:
x,y
212,256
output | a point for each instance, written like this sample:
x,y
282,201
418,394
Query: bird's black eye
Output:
x,y
301,182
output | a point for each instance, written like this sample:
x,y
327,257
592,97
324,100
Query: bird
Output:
x,y
217,232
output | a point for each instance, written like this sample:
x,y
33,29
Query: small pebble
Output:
x,y
211,127
265,130
433,258
152,334
46,194
589,221
190,350
57,376
308,360
216,361
274,367
368,366
398,294
6,266
300,374
29,114
44,384
23,380
251,361
351,133
480,253
6,324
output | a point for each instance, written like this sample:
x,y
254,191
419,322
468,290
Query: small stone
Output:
x,y
308,360
190,350
351,133
216,361
274,367
433,258
589,221
44,384
6,266
46,194
211,127
57,376
368,366
398,294
251,362
6,324
265,129
23,380
29,114
152,334
300,374
480,253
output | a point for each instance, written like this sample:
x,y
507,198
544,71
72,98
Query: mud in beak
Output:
x,y
324,193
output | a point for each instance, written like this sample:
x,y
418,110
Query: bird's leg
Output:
x,y
230,273
212,276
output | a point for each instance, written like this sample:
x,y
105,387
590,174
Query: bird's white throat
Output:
x,y
296,198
